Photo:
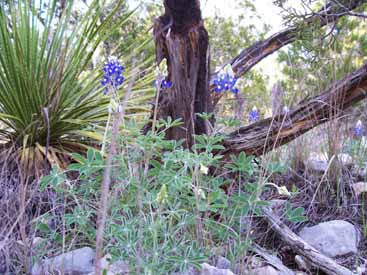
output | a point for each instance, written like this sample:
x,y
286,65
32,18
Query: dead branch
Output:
x,y
314,257
249,57
272,259
268,134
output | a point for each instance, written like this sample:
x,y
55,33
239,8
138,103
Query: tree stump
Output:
x,y
181,38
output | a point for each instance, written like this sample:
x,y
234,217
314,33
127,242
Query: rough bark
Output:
x,y
265,135
252,55
181,38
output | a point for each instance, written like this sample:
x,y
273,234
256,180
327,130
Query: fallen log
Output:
x,y
314,257
252,55
265,135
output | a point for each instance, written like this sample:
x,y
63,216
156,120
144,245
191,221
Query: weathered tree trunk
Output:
x,y
181,38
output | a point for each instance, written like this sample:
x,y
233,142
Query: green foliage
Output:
x,y
49,97
295,215
228,37
167,212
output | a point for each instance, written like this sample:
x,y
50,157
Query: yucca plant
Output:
x,y
50,99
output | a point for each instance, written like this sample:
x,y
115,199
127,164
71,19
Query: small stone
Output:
x,y
190,271
333,238
240,269
223,263
360,170
211,270
79,261
317,162
266,270
345,159
359,188
119,267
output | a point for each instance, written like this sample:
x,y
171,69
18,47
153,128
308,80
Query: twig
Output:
x,y
272,259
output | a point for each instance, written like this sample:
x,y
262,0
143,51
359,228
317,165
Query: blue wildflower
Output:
x,y
358,129
165,84
254,115
285,110
112,74
226,81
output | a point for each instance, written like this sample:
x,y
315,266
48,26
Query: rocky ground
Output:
x,y
336,231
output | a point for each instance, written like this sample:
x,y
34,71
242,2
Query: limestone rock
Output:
x,y
333,238
119,267
76,262
211,270
223,263
266,270
317,162
190,271
345,159
359,188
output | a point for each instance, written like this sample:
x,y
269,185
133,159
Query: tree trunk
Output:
x,y
181,38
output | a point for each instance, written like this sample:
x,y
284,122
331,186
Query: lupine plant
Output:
x,y
167,218
112,75
358,129
226,81
254,115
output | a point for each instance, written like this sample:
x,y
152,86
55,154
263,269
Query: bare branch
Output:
x,y
251,56
268,134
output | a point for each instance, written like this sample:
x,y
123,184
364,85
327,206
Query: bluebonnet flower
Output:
x,y
226,81
165,84
161,74
358,129
254,115
112,74
285,110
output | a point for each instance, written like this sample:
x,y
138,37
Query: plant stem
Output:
x,y
105,188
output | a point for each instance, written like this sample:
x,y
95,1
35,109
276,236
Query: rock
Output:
x,y
211,270
223,263
345,159
76,262
317,162
359,188
333,238
119,267
190,271
266,270
240,269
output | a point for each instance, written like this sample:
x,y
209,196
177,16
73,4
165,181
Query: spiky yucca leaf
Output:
x,y
48,96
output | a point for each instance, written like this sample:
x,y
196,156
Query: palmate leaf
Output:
x,y
47,90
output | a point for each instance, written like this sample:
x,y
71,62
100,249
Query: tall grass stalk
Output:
x,y
105,188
